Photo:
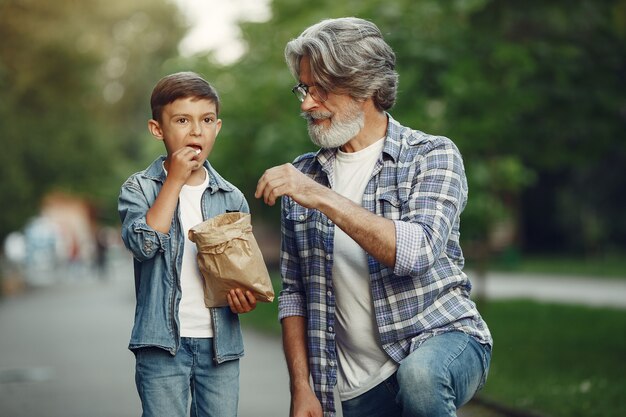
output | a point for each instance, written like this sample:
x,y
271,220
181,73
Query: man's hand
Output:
x,y
304,403
287,180
375,234
241,303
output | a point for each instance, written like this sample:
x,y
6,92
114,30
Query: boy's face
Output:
x,y
188,122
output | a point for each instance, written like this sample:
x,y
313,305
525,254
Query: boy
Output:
x,y
180,346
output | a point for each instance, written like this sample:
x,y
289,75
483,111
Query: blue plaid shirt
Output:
x,y
419,183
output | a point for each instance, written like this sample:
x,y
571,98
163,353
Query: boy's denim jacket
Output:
x,y
157,261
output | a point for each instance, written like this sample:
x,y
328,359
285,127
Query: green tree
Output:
x,y
533,90
74,78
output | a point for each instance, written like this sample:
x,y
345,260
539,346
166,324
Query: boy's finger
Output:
x,y
234,302
243,300
250,298
230,303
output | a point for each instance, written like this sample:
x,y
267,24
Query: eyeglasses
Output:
x,y
317,93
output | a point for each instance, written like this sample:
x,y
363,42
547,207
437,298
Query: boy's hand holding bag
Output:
x,y
229,257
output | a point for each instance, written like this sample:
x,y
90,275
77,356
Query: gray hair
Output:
x,y
347,56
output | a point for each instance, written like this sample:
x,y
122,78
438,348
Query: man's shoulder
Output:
x,y
412,142
306,161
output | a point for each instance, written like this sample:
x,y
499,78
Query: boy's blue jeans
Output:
x,y
164,382
437,378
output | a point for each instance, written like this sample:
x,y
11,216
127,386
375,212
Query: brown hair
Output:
x,y
181,85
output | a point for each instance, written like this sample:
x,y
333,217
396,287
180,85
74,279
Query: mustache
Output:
x,y
314,115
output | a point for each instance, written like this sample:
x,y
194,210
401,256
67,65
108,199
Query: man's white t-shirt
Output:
x,y
362,362
194,316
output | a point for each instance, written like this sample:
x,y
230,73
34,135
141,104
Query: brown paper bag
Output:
x,y
229,257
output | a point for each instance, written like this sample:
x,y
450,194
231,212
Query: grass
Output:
x,y
558,360
551,359
265,316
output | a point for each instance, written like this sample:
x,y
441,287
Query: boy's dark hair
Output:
x,y
181,85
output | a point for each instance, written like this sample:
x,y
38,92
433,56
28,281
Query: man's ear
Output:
x,y
155,128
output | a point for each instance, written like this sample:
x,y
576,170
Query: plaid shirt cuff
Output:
x,y
407,251
291,305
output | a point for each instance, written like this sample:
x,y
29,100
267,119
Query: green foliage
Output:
x,y
75,78
532,93
527,91
608,265
494,184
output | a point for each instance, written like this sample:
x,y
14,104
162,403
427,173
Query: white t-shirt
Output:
x,y
362,362
194,316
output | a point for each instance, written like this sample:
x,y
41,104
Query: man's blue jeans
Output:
x,y
164,382
434,381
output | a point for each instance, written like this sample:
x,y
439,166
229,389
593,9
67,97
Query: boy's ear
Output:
x,y
155,128
218,126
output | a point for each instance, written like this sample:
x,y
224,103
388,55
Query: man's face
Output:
x,y
334,122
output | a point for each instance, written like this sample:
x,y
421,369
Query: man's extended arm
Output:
x,y
375,234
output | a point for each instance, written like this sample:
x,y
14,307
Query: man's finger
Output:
x,y
273,193
260,186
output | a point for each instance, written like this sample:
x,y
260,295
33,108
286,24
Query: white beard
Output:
x,y
340,131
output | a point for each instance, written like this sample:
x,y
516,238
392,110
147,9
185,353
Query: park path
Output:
x,y
591,291
63,345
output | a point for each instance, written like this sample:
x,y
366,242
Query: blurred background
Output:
x,y
533,94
